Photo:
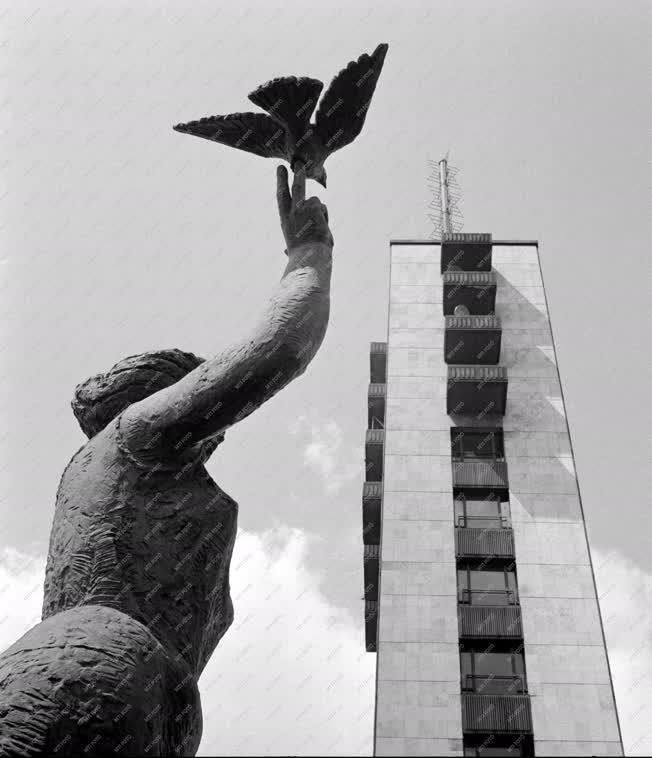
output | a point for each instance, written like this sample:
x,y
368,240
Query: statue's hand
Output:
x,y
302,221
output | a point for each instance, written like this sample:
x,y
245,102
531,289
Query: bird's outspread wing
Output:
x,y
343,108
290,100
254,132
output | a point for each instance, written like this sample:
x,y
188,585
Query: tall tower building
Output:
x,y
480,598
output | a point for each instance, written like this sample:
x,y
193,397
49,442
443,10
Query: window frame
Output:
x,y
503,518
457,443
465,594
515,675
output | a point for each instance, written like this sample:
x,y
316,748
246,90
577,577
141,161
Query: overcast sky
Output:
x,y
120,235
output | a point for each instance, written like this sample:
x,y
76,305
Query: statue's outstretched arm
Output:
x,y
228,387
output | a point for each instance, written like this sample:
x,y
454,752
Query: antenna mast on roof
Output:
x,y
445,214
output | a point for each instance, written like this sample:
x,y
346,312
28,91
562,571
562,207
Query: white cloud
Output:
x,y
323,451
291,675
625,594
21,594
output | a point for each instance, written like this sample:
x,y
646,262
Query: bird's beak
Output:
x,y
322,179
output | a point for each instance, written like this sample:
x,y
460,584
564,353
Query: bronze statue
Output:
x,y
287,132
137,581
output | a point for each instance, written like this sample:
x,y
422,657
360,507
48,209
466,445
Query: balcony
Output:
x,y
476,390
464,251
371,571
374,443
483,622
476,290
498,543
496,713
482,473
472,339
378,362
372,498
371,625
376,405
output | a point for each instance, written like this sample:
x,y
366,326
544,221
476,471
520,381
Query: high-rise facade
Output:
x,y
480,596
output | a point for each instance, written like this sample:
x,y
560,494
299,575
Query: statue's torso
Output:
x,y
152,541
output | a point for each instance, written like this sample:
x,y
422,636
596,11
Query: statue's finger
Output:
x,y
299,184
283,192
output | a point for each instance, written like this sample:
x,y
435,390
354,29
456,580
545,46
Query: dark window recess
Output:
x,y
375,439
489,745
376,407
489,511
378,362
487,586
374,468
487,672
471,444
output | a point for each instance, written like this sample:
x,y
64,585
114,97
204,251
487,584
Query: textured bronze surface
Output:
x,y
137,581
290,102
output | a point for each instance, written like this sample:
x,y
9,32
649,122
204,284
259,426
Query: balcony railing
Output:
x,y
486,622
496,713
487,597
469,278
372,490
476,374
472,339
478,472
494,684
371,552
375,437
377,389
476,542
488,522
473,322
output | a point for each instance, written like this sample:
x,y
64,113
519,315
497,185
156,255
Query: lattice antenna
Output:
x,y
443,209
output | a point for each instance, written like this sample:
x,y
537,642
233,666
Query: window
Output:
x,y
469,444
493,673
489,512
486,586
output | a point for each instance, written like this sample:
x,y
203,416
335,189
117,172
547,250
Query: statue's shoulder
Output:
x,y
99,459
